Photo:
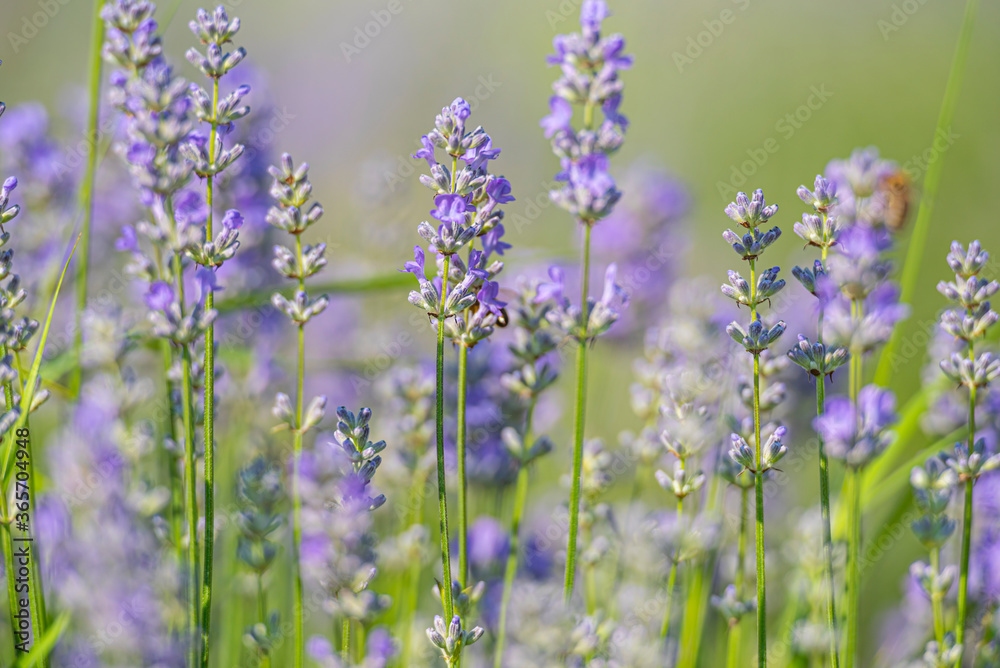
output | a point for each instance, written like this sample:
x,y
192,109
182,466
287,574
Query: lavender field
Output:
x,y
583,333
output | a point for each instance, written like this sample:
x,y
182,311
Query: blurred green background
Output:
x,y
354,109
704,97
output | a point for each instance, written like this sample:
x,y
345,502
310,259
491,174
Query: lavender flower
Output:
x,y
856,434
338,542
750,212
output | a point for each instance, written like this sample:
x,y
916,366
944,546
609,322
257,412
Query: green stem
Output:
x,y
191,509
510,570
297,509
463,508
936,599
442,483
345,636
359,643
759,489
671,580
735,630
932,180
206,594
581,404
824,485
87,189
852,489
640,472
190,469
413,578
296,471
853,565
693,619
265,656
590,579
963,574
824,496
176,485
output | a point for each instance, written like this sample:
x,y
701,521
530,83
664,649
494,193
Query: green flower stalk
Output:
x,y
749,213
969,321
461,303
292,191
820,230
530,377
590,66
210,159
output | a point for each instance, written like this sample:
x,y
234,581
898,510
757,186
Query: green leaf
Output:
x,y
43,646
28,395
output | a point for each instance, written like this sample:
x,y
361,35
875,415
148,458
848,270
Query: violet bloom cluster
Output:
x,y
16,330
750,213
208,155
48,184
338,541
467,205
292,190
590,64
856,434
645,237
861,305
864,196
601,313
117,526
158,107
969,319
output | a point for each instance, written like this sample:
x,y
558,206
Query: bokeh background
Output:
x,y
704,97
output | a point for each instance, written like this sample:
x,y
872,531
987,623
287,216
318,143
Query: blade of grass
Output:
x,y
28,396
932,180
87,187
44,645
345,286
